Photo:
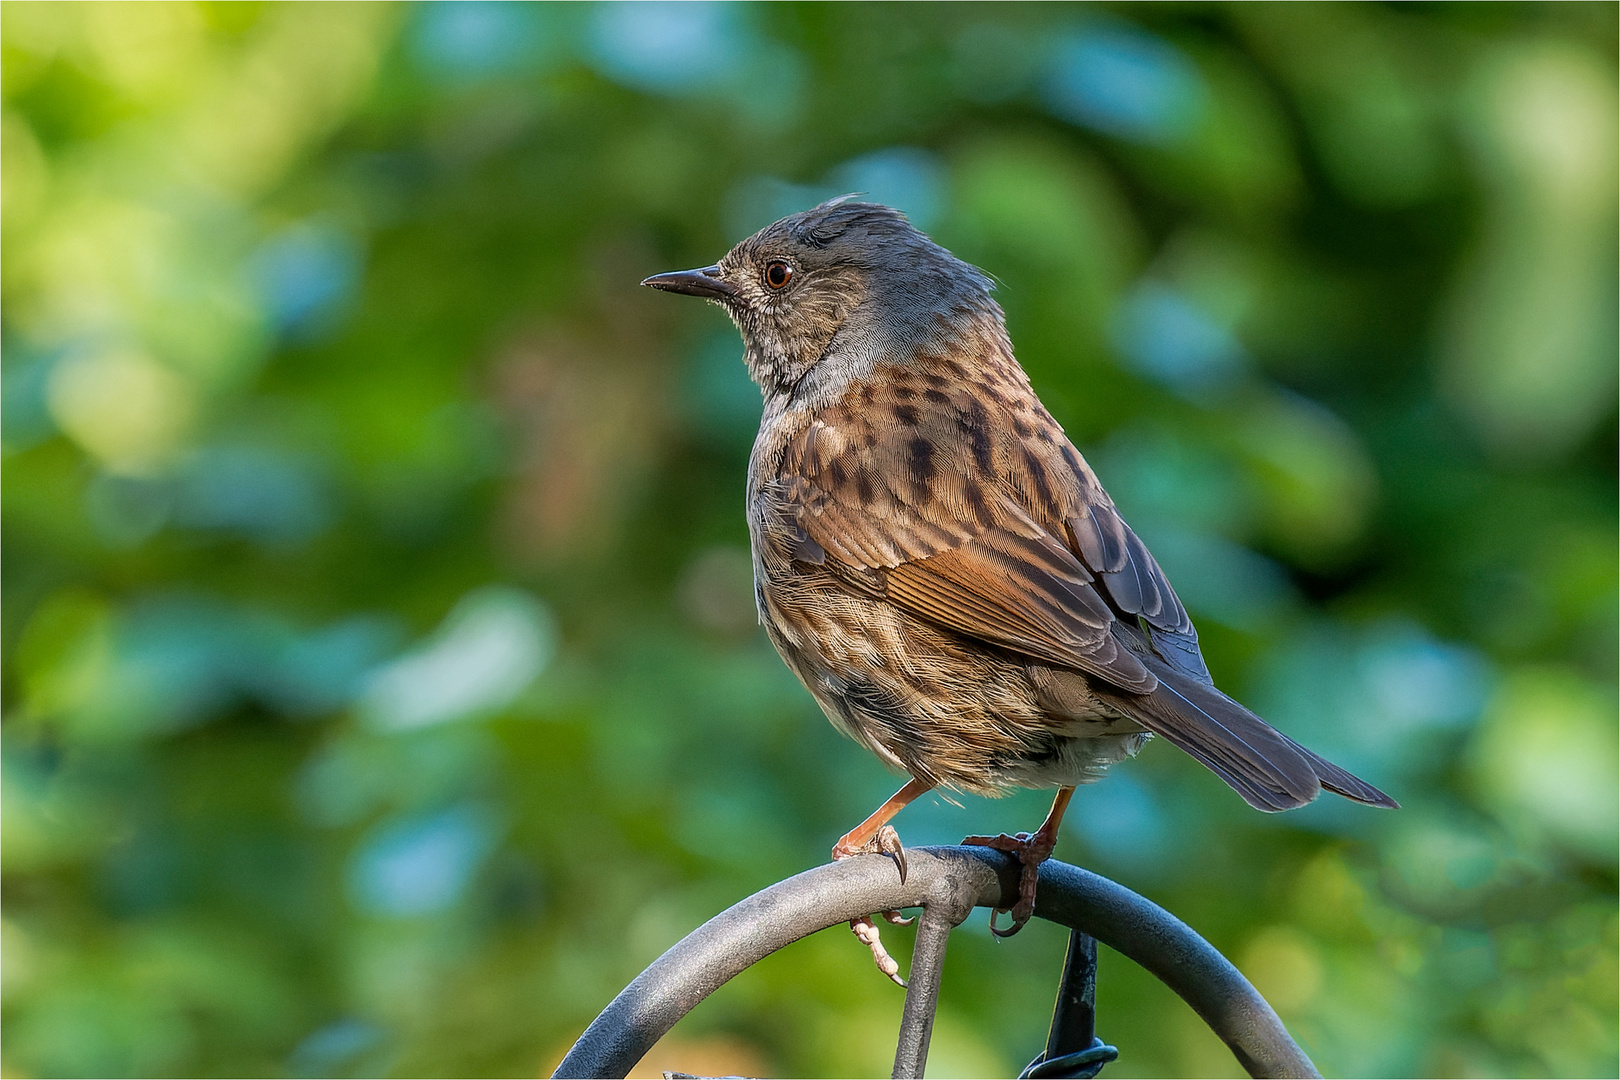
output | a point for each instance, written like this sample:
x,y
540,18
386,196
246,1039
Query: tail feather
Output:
x,y
1260,764
1271,771
1342,782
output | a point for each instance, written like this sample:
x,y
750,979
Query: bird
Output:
x,y
936,561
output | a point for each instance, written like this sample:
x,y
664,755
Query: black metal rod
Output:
x,y
1072,1047
1074,1014
837,892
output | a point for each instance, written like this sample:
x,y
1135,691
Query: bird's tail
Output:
x,y
1271,771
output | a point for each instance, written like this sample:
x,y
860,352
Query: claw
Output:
x,y
1018,924
1032,850
883,842
887,841
866,932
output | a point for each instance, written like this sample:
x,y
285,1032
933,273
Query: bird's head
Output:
x,y
834,288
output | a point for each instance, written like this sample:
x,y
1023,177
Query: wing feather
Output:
x,y
959,500
1026,595
968,507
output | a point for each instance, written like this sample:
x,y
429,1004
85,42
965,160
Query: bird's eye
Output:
x,y
778,274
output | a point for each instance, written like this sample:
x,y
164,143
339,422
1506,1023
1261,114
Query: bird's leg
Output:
x,y
1032,850
869,835
875,834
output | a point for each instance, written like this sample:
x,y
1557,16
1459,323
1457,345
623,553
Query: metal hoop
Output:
x,y
948,883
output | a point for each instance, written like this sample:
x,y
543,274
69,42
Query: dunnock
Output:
x,y
934,559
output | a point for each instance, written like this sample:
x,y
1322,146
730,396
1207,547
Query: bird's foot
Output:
x,y
883,842
1032,850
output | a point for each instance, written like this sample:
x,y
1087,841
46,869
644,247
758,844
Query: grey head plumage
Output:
x,y
850,278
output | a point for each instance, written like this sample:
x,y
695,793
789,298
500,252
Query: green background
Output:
x,y
382,688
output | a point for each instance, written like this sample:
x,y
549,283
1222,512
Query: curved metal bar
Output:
x,y
945,878
1182,960
752,929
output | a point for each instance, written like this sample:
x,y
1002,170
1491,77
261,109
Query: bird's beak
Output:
x,y
705,282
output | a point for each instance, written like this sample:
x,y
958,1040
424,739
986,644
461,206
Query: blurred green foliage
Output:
x,y
382,686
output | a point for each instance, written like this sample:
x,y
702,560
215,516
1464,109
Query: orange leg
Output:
x,y
865,836
876,835
1032,850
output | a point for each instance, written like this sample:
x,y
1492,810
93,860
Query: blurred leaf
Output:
x,y
382,685
1547,750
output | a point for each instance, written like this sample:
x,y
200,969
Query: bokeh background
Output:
x,y
382,687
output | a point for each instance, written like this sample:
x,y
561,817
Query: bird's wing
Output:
x,y
966,505
958,498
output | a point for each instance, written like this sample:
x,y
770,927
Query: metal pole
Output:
x,y
1074,1015
922,995
1072,1047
